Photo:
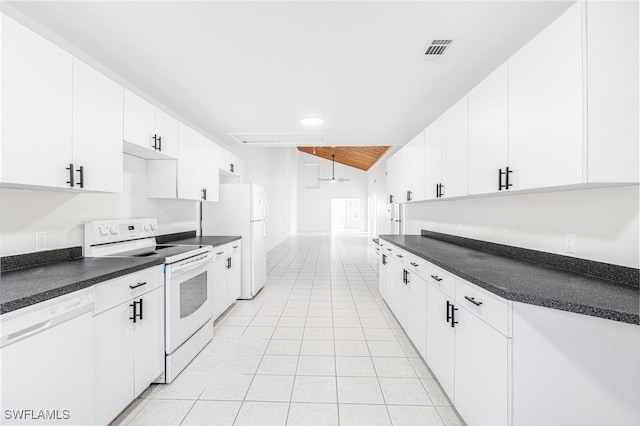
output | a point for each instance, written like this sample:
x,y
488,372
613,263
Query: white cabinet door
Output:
x,y
401,308
139,121
219,279
488,131
210,174
394,280
36,109
234,278
394,178
417,316
481,371
112,362
432,159
190,173
612,85
455,150
149,340
97,129
440,339
545,106
382,275
167,130
416,163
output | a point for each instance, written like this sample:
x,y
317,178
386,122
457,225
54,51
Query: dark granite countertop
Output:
x,y
205,240
526,281
28,286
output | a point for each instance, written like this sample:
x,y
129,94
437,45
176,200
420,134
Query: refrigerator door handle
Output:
x,y
266,209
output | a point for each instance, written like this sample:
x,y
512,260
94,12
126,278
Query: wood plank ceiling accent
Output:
x,y
360,157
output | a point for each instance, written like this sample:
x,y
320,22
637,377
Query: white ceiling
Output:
x,y
244,67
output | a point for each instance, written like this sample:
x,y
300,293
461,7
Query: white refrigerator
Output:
x,y
242,210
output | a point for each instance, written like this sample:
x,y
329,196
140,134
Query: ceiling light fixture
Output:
x,y
312,121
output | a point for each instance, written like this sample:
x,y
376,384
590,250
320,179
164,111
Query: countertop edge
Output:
x,y
70,288
531,300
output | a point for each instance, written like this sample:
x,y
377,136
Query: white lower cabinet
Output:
x,y
440,338
128,348
234,273
417,312
481,391
227,277
382,273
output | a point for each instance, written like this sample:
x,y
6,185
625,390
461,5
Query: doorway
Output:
x,y
345,214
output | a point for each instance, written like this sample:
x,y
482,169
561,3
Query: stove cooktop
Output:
x,y
160,250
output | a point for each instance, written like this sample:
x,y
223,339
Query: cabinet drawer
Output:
x,y
399,255
492,309
441,279
416,265
388,249
113,292
232,248
220,252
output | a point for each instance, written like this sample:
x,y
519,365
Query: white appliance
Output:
x,y
188,282
46,362
242,210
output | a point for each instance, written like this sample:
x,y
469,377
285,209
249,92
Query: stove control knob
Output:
x,y
147,227
114,230
104,230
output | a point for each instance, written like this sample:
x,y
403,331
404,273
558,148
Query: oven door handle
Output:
x,y
191,264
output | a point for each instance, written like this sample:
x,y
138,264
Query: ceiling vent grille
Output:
x,y
280,139
437,48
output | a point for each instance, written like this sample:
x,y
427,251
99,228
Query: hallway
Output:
x,y
317,346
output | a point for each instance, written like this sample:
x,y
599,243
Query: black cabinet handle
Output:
x,y
134,305
473,300
415,265
160,143
235,247
229,263
140,313
441,190
388,249
137,285
219,253
409,195
231,167
71,180
390,198
449,305
437,190
384,259
155,142
204,194
406,277
437,278
506,174
453,316
81,172
400,256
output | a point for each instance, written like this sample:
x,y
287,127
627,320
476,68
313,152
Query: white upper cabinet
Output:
x,y
612,87
488,132
36,109
415,158
62,120
433,159
97,129
395,178
148,132
194,176
545,107
454,150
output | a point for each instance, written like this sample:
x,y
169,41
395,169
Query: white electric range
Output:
x,y
188,283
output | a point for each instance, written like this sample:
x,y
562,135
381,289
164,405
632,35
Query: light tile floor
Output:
x,y
317,346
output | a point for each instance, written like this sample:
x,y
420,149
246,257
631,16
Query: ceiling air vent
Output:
x,y
280,139
437,48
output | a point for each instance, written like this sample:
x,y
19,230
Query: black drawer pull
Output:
x,y
235,247
400,256
415,265
473,300
137,285
388,249
437,278
219,253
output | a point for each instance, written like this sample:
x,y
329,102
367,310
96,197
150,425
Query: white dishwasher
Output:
x,y
46,361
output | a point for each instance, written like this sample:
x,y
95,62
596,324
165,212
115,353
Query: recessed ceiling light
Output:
x,y
312,121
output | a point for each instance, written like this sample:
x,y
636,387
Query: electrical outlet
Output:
x,y
41,241
570,243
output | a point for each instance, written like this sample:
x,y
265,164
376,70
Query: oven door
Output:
x,y
189,298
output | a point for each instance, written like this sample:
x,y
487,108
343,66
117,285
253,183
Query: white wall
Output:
x,y
605,221
276,170
377,185
61,214
314,205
